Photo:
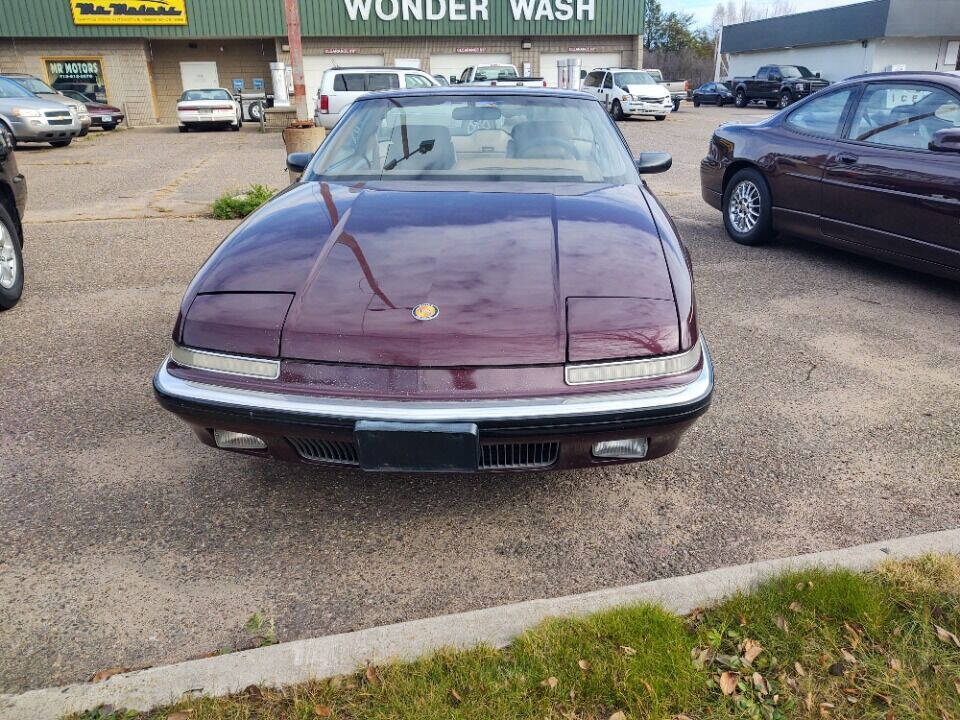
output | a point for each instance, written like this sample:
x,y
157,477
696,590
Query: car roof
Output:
x,y
205,90
480,91
951,78
375,68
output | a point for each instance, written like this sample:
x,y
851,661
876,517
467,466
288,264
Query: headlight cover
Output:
x,y
629,370
27,112
227,364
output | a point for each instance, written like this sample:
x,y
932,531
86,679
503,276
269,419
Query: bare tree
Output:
x,y
731,12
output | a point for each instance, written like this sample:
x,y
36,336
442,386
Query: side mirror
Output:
x,y
297,162
946,140
818,74
453,79
651,163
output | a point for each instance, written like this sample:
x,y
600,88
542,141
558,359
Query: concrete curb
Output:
x,y
303,660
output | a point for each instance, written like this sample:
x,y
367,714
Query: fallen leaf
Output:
x,y
837,669
455,695
799,668
101,675
320,711
825,708
584,665
895,665
751,649
796,607
947,636
854,635
618,715
178,716
648,686
627,650
371,674
782,624
956,684
680,717
808,701
728,682
889,715
848,657
760,684
573,694
550,682
792,683
799,586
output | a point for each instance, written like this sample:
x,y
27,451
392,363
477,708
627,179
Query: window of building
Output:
x,y
84,76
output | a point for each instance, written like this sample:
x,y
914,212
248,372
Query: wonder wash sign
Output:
x,y
522,10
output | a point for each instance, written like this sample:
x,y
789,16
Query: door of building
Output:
x,y
199,75
407,62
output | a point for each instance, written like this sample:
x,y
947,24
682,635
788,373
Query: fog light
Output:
x,y
631,448
238,441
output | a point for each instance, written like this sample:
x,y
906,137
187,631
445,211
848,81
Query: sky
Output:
x,y
703,9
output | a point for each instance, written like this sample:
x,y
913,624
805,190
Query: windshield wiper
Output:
x,y
425,147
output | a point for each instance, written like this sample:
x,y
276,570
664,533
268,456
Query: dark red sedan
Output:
x,y
871,165
465,279
101,115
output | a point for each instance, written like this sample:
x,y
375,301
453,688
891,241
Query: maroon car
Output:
x,y
101,115
871,165
465,279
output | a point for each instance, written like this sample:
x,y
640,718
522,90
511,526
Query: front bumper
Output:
x,y
218,117
39,130
106,119
569,425
639,107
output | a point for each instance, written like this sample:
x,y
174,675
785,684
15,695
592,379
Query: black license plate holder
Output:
x,y
417,447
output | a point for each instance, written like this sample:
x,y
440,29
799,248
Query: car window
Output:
x,y
608,81
36,86
416,81
465,76
593,79
633,78
206,95
903,115
494,72
350,82
487,138
823,115
10,89
382,81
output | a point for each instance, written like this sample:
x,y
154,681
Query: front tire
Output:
x,y
786,99
617,111
696,102
660,117
8,134
748,208
11,262
108,128
676,105
772,104
741,101
183,128
719,101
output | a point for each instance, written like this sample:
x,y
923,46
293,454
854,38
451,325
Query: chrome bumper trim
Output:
x,y
610,403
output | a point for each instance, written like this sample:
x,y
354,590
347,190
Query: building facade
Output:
x,y
873,36
142,54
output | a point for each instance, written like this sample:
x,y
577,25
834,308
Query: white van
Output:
x,y
339,87
625,92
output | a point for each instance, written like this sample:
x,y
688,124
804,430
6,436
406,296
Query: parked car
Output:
x,y
528,307
624,92
777,85
211,107
498,74
340,87
13,199
26,118
870,165
102,115
679,89
45,92
712,93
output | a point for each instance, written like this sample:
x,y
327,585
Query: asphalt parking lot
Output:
x,y
124,542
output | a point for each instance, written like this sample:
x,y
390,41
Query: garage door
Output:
x,y
588,61
448,65
315,65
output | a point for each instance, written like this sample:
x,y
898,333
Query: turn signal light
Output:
x,y
324,103
629,449
237,441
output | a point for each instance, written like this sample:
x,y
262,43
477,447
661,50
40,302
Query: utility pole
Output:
x,y
291,9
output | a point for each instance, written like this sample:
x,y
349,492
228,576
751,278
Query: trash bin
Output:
x,y
302,136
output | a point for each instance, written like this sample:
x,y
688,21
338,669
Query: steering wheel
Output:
x,y
552,143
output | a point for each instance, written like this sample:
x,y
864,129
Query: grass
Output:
x,y
232,205
811,644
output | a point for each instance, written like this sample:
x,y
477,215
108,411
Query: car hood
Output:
x,y
656,91
507,272
63,100
35,103
101,107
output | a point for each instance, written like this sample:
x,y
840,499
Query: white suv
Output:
x,y
341,86
626,92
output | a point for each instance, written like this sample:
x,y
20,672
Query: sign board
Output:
x,y
130,12
341,51
463,10
470,50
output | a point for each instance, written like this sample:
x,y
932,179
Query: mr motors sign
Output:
x,y
129,12
464,10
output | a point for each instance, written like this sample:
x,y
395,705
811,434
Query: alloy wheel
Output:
x,y
9,268
744,208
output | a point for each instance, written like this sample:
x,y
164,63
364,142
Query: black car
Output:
x,y
13,198
712,94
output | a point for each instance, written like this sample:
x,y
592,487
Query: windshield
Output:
x,y
490,72
206,95
795,71
476,138
633,78
35,86
76,96
9,89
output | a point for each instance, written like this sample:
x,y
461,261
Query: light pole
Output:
x,y
291,9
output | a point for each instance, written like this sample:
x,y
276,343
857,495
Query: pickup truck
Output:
x,y
679,89
777,85
498,74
